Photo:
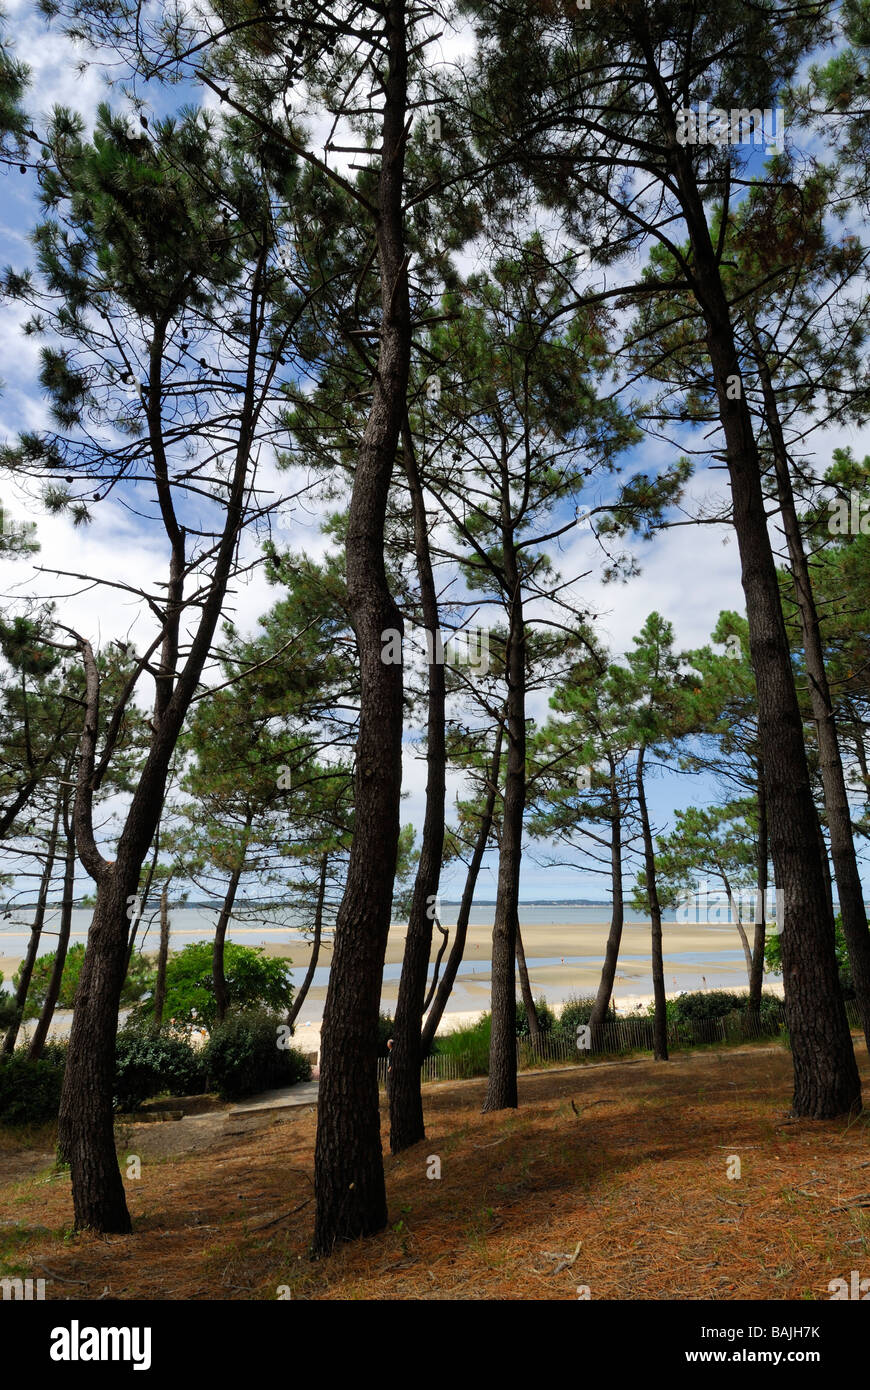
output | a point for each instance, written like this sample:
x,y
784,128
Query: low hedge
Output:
x,y
546,1017
578,1009
241,1058
716,1003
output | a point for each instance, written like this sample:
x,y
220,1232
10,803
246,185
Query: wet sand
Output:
x,y
544,939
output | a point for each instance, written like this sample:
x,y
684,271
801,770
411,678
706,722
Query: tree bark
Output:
x,y
162,958
146,891
35,932
526,991
37,1042
86,1126
756,978
219,979
457,950
617,916
660,1022
293,1013
445,937
406,1097
738,922
501,1091
849,889
350,1193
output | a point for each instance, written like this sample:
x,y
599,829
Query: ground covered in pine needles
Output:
x,y
610,1178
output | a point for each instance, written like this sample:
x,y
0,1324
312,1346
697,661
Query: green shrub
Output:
x,y
471,1044
578,1009
7,1010
704,1004
253,981
151,1062
546,1017
770,1009
139,979
716,1003
29,1091
474,1037
242,1055
55,1051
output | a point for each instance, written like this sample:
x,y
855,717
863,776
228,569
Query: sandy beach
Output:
x,y
563,960
558,940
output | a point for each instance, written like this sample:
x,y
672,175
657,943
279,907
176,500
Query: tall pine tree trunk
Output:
x,y
756,978
40,1034
617,914
350,1193
826,864
218,976
457,950
738,922
445,937
406,1099
501,1091
660,1022
526,991
826,1081
162,959
302,992
849,889
86,1135
85,1124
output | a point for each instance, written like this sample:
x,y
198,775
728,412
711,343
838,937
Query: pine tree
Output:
x,y
157,278
599,121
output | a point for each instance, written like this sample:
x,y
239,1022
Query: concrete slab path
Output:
x,y
285,1098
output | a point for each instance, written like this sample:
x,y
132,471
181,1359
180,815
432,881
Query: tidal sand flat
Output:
x,y
563,959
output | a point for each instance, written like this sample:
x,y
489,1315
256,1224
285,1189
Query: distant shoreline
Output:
x,y
213,904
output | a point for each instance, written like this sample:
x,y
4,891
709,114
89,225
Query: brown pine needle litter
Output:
x,y
632,1200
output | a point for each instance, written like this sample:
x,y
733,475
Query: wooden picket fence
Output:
x,y
443,1066
624,1035
617,1036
